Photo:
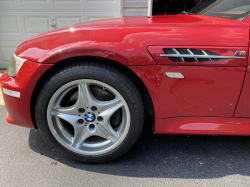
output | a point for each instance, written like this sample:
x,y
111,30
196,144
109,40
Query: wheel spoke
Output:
x,y
81,134
71,110
110,108
106,132
63,130
85,98
104,128
104,105
72,119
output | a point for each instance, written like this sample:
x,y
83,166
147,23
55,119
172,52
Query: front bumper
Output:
x,y
19,109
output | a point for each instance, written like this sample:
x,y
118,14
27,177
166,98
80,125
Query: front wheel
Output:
x,y
90,112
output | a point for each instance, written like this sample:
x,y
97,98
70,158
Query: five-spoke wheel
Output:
x,y
89,112
88,116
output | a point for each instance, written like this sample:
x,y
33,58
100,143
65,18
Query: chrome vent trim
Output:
x,y
191,53
206,54
177,52
194,55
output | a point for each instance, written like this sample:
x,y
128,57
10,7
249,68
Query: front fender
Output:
x,y
53,47
66,52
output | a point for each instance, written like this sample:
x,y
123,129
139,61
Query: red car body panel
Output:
x,y
209,92
205,91
243,107
247,20
19,109
203,126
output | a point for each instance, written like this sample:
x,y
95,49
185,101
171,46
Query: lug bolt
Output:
x,y
81,110
80,121
99,118
93,108
91,126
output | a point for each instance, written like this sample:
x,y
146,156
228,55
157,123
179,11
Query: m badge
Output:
x,y
240,53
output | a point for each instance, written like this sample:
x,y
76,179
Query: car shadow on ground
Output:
x,y
168,156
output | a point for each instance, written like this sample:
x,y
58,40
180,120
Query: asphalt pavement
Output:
x,y
156,160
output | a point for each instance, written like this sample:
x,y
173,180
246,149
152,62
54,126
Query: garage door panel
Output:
x,y
91,16
9,24
60,4
36,25
135,7
34,1
135,11
22,26
23,19
106,4
64,21
67,1
7,1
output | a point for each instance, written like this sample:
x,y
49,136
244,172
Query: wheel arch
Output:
x,y
147,100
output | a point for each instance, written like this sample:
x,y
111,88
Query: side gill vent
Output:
x,y
190,53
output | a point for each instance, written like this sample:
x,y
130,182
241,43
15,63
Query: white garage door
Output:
x,y
135,7
23,19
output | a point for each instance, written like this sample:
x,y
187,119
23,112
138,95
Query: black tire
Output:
x,y
96,71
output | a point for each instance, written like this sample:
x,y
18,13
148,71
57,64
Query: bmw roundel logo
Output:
x,y
90,117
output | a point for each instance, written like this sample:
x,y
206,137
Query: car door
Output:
x,y
199,80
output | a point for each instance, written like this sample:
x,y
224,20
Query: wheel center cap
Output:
x,y
90,117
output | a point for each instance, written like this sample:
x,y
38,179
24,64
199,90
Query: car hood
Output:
x,y
129,37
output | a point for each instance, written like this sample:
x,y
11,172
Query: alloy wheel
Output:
x,y
88,117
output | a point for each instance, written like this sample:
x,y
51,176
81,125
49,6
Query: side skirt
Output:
x,y
203,126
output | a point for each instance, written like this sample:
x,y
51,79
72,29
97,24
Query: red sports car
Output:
x,y
88,87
